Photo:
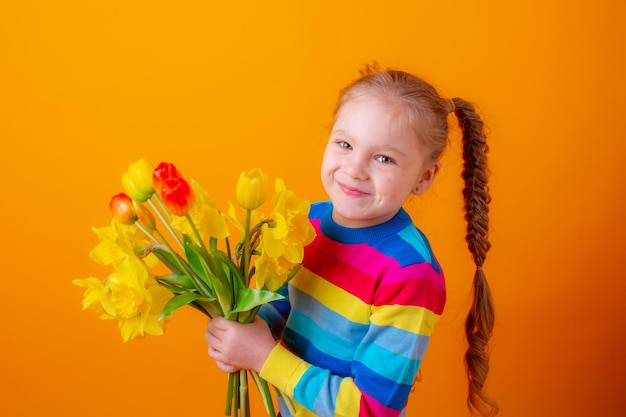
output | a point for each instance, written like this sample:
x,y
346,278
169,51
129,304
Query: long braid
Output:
x,y
480,320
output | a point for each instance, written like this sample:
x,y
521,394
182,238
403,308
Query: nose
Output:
x,y
355,167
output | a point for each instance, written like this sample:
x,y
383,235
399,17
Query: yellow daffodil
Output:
x,y
116,242
251,189
204,214
272,273
97,297
291,230
147,320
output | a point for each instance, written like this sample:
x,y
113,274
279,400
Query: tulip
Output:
x,y
177,196
121,206
144,216
164,171
251,189
137,181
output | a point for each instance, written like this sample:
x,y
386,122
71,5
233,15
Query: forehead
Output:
x,y
369,114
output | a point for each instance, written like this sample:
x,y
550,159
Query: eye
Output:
x,y
344,145
385,159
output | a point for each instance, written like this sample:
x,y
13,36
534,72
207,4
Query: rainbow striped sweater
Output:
x,y
356,319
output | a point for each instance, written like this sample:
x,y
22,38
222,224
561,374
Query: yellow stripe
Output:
x,y
283,369
413,319
348,399
333,297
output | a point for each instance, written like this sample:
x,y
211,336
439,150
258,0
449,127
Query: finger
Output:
x,y
226,367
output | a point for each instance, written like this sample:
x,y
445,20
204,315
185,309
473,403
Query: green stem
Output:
x,y
196,232
229,395
146,232
264,390
166,223
243,393
236,404
246,249
178,261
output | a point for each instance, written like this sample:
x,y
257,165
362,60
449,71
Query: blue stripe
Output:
x,y
399,342
383,390
388,364
340,348
307,351
328,320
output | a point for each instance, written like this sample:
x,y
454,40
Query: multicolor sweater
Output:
x,y
356,319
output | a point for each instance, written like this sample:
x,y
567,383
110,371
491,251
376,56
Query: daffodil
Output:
x,y
291,230
272,273
97,297
147,321
128,286
118,241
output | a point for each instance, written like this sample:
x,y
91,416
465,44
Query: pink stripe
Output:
x,y
422,270
415,292
356,255
339,273
371,408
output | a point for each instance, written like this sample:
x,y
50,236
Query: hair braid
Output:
x,y
480,320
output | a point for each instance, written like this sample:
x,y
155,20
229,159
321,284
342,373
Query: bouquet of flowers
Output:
x,y
202,270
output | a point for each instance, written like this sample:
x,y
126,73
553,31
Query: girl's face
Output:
x,y
371,164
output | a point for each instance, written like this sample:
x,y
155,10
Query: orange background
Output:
x,y
86,87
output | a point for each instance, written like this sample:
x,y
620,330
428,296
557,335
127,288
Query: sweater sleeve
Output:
x,y
384,365
275,313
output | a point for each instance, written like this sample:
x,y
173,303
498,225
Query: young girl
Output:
x,y
358,316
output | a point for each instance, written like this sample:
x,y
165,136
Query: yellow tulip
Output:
x,y
251,189
137,181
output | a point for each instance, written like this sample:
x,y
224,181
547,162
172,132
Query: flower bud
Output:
x,y
144,216
137,181
177,196
251,189
121,206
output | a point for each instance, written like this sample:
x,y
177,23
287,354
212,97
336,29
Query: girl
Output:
x,y
358,316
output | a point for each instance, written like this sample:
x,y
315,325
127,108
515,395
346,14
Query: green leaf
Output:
x,y
200,282
196,256
213,273
181,300
168,259
250,298
177,280
232,267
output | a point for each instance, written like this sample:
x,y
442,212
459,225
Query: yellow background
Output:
x,y
86,87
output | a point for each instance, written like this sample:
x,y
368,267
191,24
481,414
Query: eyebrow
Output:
x,y
383,149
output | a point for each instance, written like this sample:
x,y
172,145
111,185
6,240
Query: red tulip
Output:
x,y
164,171
177,196
121,206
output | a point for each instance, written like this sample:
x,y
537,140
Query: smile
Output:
x,y
351,192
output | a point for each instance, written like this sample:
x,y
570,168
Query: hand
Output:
x,y
236,346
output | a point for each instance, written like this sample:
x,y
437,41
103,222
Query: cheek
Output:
x,y
327,163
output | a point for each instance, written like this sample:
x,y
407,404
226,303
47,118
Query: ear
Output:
x,y
426,178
